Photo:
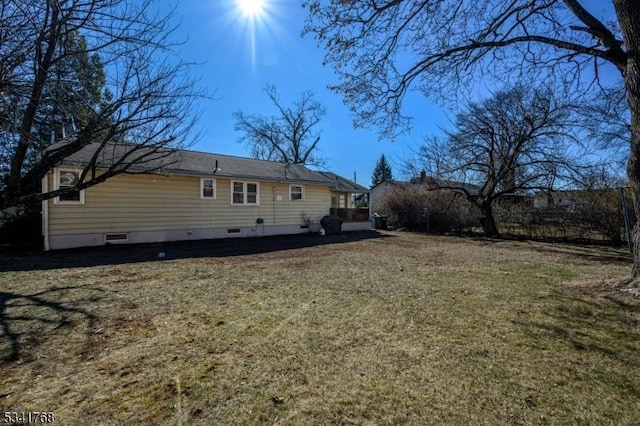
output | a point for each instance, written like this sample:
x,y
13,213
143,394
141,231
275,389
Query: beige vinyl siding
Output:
x,y
129,203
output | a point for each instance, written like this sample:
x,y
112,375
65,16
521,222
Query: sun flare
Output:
x,y
251,8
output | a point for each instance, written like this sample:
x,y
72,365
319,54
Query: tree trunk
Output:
x,y
488,221
628,15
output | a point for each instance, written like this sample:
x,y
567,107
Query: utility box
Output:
x,y
332,224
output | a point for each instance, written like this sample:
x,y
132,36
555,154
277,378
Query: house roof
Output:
x,y
389,182
195,163
342,184
433,183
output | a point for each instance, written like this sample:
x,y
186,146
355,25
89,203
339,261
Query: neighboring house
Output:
x,y
571,199
198,196
379,191
565,199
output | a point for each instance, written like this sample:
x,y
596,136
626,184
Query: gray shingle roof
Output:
x,y
343,184
194,163
433,183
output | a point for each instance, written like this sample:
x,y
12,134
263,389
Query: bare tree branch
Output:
x,y
441,48
512,143
289,137
145,103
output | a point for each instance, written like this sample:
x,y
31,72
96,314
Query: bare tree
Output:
x,y
380,50
511,143
290,136
606,119
147,109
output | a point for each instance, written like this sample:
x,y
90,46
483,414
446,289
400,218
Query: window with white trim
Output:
x,y
296,192
207,189
245,193
68,179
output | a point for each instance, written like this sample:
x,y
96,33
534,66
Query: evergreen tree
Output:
x,y
75,89
382,172
106,66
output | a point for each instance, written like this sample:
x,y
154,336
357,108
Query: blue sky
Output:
x,y
237,57
237,67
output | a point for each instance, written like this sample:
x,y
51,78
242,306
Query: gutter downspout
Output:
x,y
45,212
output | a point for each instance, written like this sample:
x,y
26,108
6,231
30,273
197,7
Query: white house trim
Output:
x,y
56,186
45,212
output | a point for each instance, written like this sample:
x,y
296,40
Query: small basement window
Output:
x,y
116,238
234,231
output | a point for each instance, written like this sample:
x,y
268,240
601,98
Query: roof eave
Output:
x,y
182,172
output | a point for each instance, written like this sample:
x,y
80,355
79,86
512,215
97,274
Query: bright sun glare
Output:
x,y
251,8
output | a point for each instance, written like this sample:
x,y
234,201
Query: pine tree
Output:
x,y
75,89
110,68
382,172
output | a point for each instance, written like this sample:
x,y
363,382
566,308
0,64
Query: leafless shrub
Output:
x,y
431,210
595,215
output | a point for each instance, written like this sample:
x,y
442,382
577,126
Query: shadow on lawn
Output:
x,y
28,319
604,253
590,253
600,328
134,253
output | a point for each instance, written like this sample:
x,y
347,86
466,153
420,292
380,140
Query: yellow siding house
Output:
x,y
197,196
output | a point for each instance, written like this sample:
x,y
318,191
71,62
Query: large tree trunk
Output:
x,y
628,15
488,221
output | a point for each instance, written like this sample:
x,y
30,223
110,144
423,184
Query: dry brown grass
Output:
x,y
406,329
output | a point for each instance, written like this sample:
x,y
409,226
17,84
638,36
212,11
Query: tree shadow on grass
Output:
x,y
586,250
27,319
601,254
597,328
134,253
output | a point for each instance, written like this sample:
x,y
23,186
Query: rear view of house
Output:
x,y
198,196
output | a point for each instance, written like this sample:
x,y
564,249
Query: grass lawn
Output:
x,y
393,329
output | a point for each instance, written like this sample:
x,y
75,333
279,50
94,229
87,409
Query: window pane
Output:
x,y
72,196
238,193
68,180
252,193
296,193
207,188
